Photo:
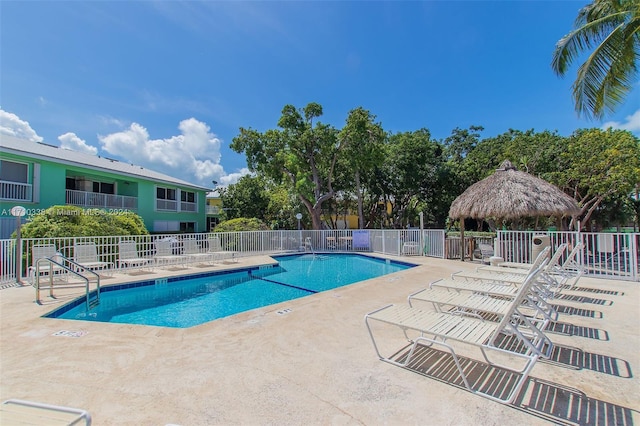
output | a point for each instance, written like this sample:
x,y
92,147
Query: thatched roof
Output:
x,y
509,194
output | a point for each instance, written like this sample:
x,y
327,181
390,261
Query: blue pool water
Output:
x,y
188,301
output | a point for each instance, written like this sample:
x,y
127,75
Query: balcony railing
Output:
x,y
213,210
15,191
166,205
97,200
188,207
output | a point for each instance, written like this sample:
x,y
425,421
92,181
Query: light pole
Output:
x,y
299,216
18,212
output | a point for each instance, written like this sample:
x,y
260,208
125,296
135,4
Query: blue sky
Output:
x,y
168,84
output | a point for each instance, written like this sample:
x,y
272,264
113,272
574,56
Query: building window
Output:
x,y
14,172
188,227
104,187
166,199
187,196
14,181
188,201
166,226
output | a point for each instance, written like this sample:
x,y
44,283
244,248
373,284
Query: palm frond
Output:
x,y
610,29
584,38
605,77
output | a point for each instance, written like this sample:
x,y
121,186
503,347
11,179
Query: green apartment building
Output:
x,y
36,176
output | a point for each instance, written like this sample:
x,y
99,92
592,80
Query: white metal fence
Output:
x,y
7,261
605,255
241,244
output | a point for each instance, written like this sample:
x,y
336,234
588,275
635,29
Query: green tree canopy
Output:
x,y
302,153
409,174
363,140
246,198
241,224
257,197
599,166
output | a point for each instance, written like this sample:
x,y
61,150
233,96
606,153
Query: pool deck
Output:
x,y
310,361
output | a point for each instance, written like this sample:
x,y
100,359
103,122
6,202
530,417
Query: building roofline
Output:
x,y
45,152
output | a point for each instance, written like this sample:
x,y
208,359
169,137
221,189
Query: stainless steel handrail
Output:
x,y
67,269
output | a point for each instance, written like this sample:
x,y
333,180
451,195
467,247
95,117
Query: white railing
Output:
x,y
166,205
8,261
98,200
605,255
15,191
243,244
212,210
186,206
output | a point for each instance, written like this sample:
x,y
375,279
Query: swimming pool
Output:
x,y
183,302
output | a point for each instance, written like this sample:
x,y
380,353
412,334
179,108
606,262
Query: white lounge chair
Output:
x,y
504,277
194,253
86,255
569,271
128,256
215,248
164,255
524,268
43,267
486,252
484,287
566,274
450,331
21,412
494,299
410,248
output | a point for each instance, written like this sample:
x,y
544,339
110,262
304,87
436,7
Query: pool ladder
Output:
x,y
308,245
60,265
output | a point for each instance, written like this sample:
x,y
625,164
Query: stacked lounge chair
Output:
x,y
566,273
453,329
499,312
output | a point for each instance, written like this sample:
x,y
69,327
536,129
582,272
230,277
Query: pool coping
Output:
x,y
56,313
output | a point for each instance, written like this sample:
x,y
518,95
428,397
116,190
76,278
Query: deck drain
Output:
x,y
67,333
284,311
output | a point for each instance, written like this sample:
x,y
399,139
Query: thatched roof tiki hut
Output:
x,y
510,194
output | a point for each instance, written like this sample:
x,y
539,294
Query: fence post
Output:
x,y
633,256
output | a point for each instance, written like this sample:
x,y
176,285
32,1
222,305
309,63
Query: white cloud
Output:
x,y
193,155
12,125
195,152
631,123
73,142
232,178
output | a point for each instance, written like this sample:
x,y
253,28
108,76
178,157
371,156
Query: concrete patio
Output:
x,y
310,361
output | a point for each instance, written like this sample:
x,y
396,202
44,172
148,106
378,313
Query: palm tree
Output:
x,y
611,28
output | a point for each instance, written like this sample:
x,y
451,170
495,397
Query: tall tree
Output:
x,y
301,152
611,29
362,139
457,147
599,166
409,174
246,198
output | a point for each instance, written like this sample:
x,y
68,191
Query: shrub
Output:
x,y
241,224
72,221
